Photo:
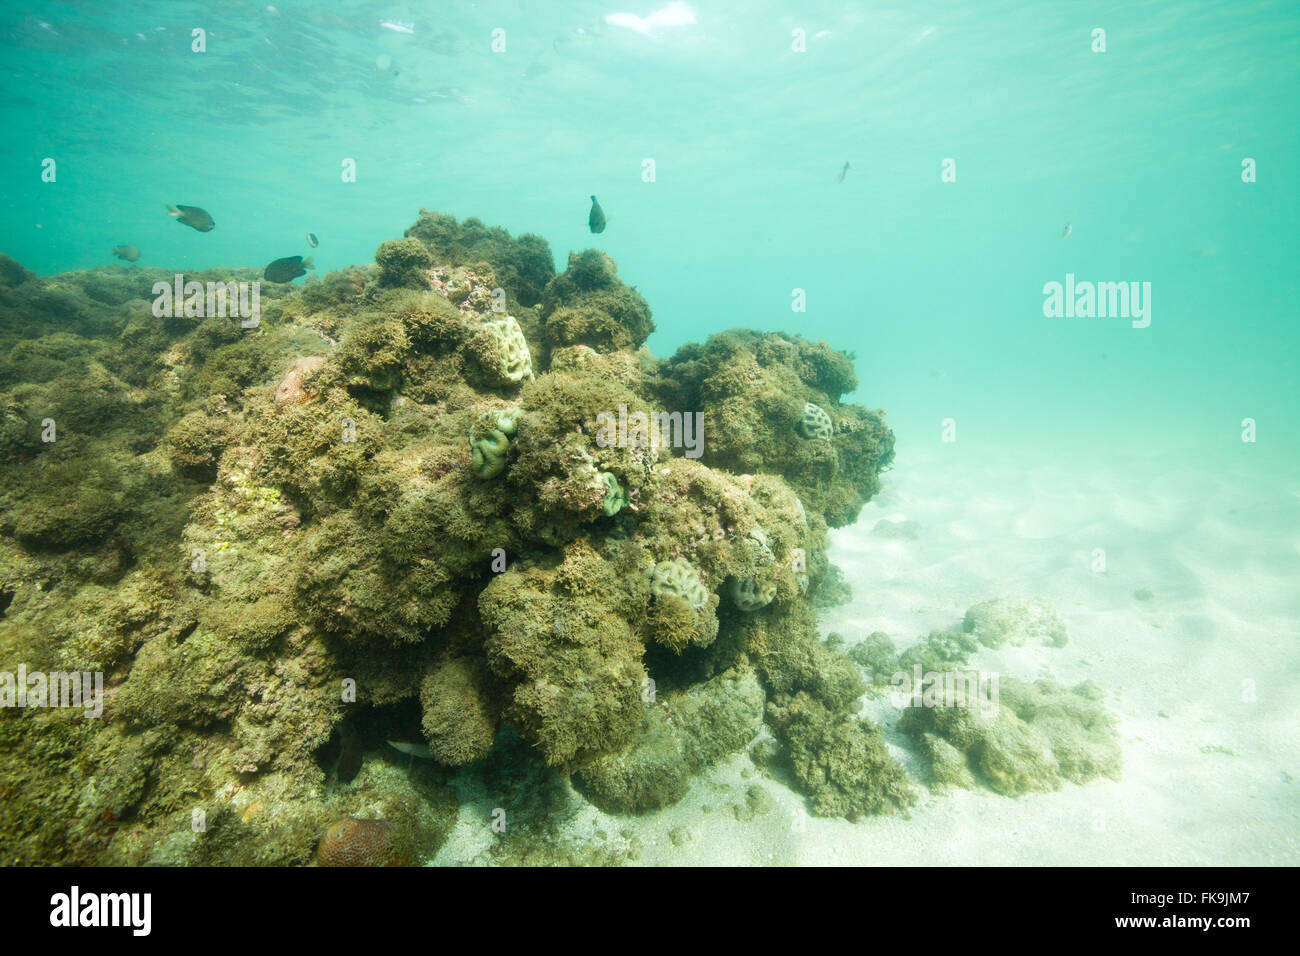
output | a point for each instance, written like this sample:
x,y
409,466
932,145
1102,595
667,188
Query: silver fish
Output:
x,y
414,750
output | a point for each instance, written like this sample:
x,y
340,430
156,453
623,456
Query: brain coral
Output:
x,y
816,423
354,842
516,362
678,579
749,595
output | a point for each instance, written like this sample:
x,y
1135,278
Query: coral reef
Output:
x,y
384,514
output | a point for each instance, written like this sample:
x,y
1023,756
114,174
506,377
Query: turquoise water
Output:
x,y
937,287
1095,463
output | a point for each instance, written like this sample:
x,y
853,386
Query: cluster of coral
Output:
x,y
383,514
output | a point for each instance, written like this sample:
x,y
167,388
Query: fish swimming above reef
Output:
x,y
192,216
1065,233
843,172
287,269
312,240
129,253
596,220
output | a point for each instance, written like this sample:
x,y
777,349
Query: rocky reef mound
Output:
x,y
447,500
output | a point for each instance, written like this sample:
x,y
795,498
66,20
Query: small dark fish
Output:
x,y
129,253
596,221
351,753
843,172
287,269
192,216
312,240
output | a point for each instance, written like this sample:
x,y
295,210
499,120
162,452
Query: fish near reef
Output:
x,y
843,172
192,216
413,750
129,253
312,240
287,269
596,219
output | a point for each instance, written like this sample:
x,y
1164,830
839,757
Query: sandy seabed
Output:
x,y
1193,629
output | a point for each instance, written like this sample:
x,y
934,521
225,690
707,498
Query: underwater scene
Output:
x,y
649,433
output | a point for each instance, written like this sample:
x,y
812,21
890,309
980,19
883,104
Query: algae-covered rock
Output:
x,y
589,305
460,718
939,651
1026,741
771,404
876,654
196,442
398,505
680,735
12,272
560,634
1004,621
404,263
844,765
523,265
832,589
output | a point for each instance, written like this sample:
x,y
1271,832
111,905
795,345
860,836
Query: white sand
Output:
x,y
1211,775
